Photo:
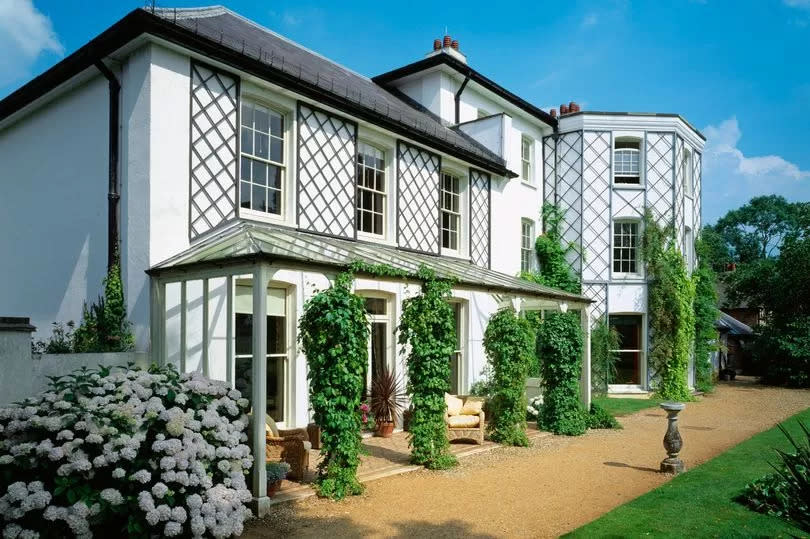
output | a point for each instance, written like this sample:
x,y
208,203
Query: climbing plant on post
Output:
x,y
334,335
509,342
551,249
604,342
670,298
427,326
706,313
560,348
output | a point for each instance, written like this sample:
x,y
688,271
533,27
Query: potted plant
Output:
x,y
276,473
387,401
366,419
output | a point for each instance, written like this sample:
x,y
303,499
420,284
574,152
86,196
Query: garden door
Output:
x,y
456,358
630,352
277,341
378,310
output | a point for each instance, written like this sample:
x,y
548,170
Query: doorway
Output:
x,y
630,352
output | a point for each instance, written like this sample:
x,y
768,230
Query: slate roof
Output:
x,y
247,241
727,323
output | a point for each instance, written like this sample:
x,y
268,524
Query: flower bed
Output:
x,y
134,452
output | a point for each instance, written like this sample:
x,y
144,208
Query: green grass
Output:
x,y
700,502
620,407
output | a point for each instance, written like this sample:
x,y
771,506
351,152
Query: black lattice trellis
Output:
x,y
696,178
327,147
679,195
480,218
598,293
213,134
659,175
418,201
549,170
569,193
628,202
596,205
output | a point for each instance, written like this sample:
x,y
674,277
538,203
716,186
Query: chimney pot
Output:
x,y
454,44
437,44
563,109
553,113
447,42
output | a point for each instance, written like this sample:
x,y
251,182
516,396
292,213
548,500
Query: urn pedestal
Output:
x,y
672,439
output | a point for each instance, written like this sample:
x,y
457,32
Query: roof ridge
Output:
x,y
190,12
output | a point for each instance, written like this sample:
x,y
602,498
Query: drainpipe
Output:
x,y
457,97
112,189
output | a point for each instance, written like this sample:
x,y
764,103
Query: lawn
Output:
x,y
620,407
700,502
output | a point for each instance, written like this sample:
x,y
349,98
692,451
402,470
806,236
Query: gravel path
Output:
x,y
549,489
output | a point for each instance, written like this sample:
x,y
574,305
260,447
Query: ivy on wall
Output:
x,y
509,342
560,347
604,340
706,314
427,326
670,298
554,270
334,336
104,326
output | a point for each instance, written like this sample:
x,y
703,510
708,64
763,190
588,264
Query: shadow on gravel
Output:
x,y
451,528
623,465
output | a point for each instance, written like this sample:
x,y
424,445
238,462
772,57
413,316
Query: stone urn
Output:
x,y
672,439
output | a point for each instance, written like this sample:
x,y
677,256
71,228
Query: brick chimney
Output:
x,y
437,44
447,45
553,113
563,109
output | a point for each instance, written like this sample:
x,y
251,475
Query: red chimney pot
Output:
x,y
563,109
454,44
437,44
553,113
447,41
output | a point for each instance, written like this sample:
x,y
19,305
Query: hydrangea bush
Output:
x,y
130,451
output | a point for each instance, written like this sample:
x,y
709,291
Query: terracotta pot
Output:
x,y
384,429
273,487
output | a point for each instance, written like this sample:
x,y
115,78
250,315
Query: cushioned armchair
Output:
x,y
464,418
289,445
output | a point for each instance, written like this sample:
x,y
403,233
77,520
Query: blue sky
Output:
x,y
738,71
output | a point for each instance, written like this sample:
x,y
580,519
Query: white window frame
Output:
x,y
369,135
688,187
387,318
625,274
526,250
527,161
689,248
460,215
258,97
385,194
621,137
642,363
461,342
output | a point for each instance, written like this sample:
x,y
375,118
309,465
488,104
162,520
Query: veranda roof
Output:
x,y
252,241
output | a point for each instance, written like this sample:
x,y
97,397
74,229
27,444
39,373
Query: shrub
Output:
x,y
560,344
60,342
104,326
334,336
276,471
781,352
534,409
509,343
604,339
786,492
427,326
599,418
706,313
125,452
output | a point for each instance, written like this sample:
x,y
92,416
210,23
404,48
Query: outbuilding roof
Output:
x,y
728,324
245,241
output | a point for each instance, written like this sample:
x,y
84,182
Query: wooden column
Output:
x,y
259,377
157,321
586,355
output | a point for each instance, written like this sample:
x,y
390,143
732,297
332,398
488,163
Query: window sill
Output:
x,y
374,238
530,185
253,215
452,254
635,277
629,186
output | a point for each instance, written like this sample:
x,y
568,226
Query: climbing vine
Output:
x,y
104,326
604,340
551,250
334,336
705,315
670,298
509,342
560,347
427,326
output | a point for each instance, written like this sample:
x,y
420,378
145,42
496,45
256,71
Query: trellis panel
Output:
x,y
598,293
659,175
696,189
213,140
480,207
418,201
679,196
569,193
628,203
327,148
596,157
549,170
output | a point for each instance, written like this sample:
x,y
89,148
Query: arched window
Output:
x,y
627,160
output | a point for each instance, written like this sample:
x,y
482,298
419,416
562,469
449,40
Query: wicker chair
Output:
x,y
467,432
289,445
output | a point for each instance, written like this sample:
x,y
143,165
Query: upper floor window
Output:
x,y
451,211
687,172
526,157
262,164
371,191
526,237
625,247
627,161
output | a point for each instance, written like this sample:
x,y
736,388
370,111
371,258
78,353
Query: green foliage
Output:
x,y
276,471
334,336
604,339
786,492
60,342
706,314
378,270
560,346
427,326
509,343
599,418
104,326
782,352
670,298
554,269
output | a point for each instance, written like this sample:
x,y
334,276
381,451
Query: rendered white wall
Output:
x,y
53,208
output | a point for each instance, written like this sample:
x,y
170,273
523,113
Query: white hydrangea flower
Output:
x,y
118,473
112,496
159,490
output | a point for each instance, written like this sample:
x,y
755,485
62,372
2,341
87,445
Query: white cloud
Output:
x,y
731,178
25,33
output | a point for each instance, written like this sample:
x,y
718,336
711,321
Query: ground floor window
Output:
x,y
628,366
277,340
378,310
457,357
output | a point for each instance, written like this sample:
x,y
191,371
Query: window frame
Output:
x,y
526,250
639,152
389,318
287,167
688,185
636,247
460,214
642,351
386,195
461,341
525,162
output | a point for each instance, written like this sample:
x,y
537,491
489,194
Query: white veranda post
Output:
x,y
586,355
259,379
